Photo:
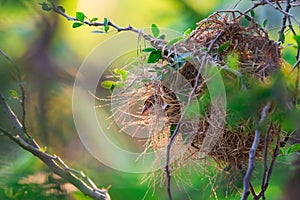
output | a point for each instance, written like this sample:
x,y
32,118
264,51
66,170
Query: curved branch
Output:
x,y
77,178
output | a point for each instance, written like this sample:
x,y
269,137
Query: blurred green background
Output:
x,y
48,52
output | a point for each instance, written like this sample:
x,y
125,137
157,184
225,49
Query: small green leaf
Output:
x,y
106,28
282,38
45,6
154,56
80,16
252,13
108,84
149,49
61,8
293,148
282,151
94,19
120,84
175,40
123,74
77,24
187,32
13,93
265,23
155,30
223,47
105,22
297,39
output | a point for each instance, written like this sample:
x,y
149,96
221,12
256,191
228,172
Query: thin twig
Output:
x,y
17,124
23,101
266,146
282,11
175,133
272,164
252,190
252,151
283,26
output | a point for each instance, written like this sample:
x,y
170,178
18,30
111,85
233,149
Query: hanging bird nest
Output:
x,y
258,57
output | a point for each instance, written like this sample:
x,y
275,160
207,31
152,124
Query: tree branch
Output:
x,y
119,29
81,181
252,151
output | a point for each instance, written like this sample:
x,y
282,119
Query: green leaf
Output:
x,y
13,93
282,151
297,39
154,56
45,6
223,47
105,24
187,32
108,84
61,8
80,16
77,24
265,23
106,28
293,148
120,84
94,19
155,30
282,38
123,74
252,13
149,49
175,40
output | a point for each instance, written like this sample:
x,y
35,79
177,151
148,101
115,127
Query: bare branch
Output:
x,y
83,183
283,11
252,151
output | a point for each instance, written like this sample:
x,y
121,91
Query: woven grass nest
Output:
x,y
258,57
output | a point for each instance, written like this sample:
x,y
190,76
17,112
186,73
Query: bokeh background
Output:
x,y
48,51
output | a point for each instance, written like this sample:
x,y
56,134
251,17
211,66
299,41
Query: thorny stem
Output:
x,y
283,26
175,133
252,151
119,29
